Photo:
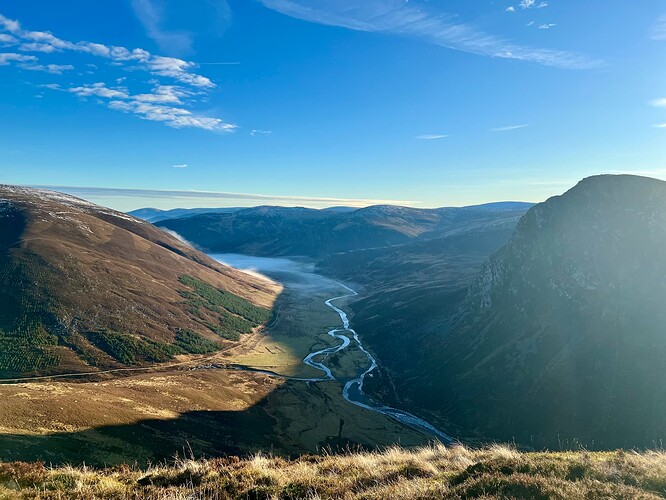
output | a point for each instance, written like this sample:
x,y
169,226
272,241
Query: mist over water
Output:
x,y
291,272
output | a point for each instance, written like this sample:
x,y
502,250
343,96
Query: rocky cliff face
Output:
x,y
563,336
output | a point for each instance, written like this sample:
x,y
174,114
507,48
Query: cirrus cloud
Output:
x,y
420,20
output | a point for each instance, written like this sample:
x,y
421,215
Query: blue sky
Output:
x,y
323,102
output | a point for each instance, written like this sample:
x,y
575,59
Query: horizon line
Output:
x,y
176,194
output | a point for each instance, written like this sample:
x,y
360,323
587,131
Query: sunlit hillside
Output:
x,y
430,472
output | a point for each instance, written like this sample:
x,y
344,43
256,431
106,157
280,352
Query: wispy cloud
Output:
x,y
508,128
172,116
229,63
174,33
177,197
257,132
10,57
510,9
54,69
659,103
532,4
168,102
547,26
418,19
659,125
431,137
181,165
151,16
98,90
659,29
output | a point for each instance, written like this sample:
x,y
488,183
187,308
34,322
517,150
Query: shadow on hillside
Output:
x,y
194,434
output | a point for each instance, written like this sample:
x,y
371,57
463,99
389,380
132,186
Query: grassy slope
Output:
x,y
85,288
431,472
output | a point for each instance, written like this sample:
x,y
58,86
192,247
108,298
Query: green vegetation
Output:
x,y
232,335
194,343
26,345
23,357
234,314
432,472
131,350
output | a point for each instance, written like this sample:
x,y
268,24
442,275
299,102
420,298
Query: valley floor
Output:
x,y
201,404
429,472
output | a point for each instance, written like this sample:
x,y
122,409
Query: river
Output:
x,y
301,277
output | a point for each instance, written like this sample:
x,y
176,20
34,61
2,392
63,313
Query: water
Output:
x,y
300,276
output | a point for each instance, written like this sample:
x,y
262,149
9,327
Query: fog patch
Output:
x,y
299,276
179,237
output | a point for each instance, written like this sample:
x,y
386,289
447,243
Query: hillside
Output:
x,y
279,231
85,288
431,472
561,339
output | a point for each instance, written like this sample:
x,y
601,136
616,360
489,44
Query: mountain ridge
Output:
x,y
86,287
286,231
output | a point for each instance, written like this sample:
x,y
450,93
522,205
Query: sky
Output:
x,y
191,103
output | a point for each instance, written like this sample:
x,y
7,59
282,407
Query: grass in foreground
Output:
x,y
431,472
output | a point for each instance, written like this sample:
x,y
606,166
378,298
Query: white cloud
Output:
x,y
418,19
257,132
8,24
45,42
37,47
98,90
8,57
659,125
531,4
431,137
659,29
44,38
659,103
166,103
54,69
181,165
151,107
508,128
511,9
165,94
547,26
178,70
7,39
171,116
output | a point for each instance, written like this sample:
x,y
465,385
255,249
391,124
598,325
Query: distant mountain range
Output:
x,y
84,287
273,231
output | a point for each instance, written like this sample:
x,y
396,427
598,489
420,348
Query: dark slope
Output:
x,y
563,337
277,231
82,286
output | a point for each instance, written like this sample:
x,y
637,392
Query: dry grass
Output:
x,y
395,473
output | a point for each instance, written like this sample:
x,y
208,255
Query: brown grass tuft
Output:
x,y
396,473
